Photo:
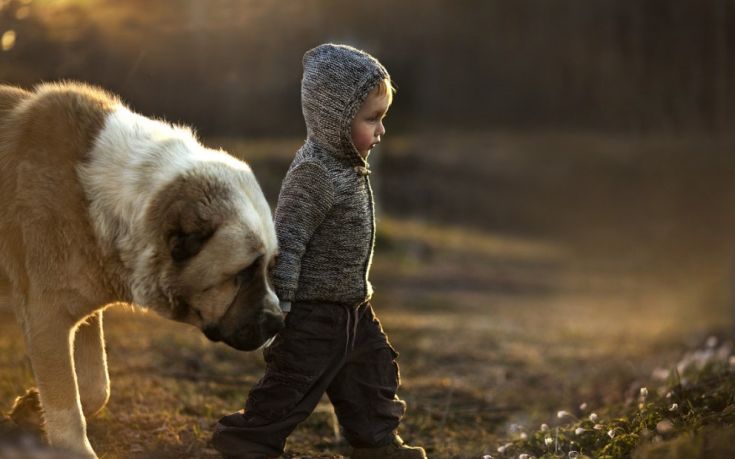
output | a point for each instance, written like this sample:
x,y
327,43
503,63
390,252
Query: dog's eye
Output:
x,y
248,274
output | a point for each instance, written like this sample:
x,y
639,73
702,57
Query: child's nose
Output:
x,y
381,130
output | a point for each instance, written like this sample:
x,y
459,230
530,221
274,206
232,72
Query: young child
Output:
x,y
325,222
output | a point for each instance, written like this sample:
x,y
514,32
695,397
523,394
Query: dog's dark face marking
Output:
x,y
215,252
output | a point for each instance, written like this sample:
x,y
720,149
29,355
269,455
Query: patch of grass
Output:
x,y
699,394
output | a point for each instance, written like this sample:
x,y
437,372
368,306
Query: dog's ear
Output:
x,y
190,227
186,213
185,245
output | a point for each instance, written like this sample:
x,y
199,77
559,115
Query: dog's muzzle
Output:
x,y
250,336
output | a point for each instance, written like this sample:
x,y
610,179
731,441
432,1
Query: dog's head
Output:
x,y
215,243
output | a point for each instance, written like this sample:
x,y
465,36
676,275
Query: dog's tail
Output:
x,y
10,97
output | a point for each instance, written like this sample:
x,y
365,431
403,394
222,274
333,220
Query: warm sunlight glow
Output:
x,y
61,4
22,12
8,40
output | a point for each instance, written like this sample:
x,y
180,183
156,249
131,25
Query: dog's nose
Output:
x,y
212,332
271,323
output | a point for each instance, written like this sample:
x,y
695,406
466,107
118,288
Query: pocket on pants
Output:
x,y
300,354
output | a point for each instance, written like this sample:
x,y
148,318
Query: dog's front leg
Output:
x,y
50,350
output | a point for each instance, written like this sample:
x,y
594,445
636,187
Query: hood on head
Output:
x,y
336,81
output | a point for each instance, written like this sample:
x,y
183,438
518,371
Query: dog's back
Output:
x,y
10,97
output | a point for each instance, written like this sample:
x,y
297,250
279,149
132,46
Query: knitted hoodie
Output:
x,y
325,217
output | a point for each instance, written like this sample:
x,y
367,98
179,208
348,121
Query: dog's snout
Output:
x,y
271,323
212,332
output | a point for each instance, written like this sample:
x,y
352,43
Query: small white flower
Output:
x,y
487,456
548,441
544,427
674,407
579,431
523,436
593,417
583,407
598,427
573,454
523,456
562,414
502,449
711,342
611,433
669,394
644,393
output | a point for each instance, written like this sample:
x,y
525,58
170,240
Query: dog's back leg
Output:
x,y
91,365
26,409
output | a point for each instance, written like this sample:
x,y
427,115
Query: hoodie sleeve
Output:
x,y
307,195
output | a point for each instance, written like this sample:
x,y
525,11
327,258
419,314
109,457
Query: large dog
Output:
x,y
100,205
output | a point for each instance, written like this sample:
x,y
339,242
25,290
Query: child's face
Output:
x,y
367,126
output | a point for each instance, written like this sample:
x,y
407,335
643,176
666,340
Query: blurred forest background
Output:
x,y
614,66
548,164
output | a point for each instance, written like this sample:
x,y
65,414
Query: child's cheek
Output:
x,y
367,136
358,138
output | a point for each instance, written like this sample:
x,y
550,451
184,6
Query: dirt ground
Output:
x,y
497,329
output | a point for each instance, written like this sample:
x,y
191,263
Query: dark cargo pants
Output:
x,y
335,348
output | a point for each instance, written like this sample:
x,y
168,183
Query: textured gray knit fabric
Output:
x,y
325,218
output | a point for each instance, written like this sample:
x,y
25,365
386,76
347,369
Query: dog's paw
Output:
x,y
27,412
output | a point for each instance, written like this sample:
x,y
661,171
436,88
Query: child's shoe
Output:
x,y
393,450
